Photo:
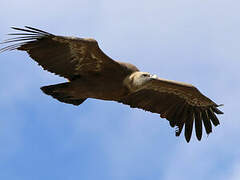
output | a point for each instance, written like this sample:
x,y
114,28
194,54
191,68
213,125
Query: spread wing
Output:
x,y
68,57
181,104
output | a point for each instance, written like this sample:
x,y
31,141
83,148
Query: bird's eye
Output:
x,y
145,75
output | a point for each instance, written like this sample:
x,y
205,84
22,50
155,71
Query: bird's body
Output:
x,y
92,74
93,87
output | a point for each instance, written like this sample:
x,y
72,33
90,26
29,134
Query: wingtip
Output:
x,y
178,131
216,110
187,135
187,139
15,28
199,138
28,27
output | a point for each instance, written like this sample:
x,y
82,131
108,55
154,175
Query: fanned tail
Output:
x,y
61,93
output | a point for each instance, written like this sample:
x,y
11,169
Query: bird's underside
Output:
x,y
92,74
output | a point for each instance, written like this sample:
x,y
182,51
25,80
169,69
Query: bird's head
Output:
x,y
138,79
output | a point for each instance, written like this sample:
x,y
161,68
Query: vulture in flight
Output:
x,y
92,74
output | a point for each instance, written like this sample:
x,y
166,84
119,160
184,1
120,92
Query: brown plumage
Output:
x,y
92,74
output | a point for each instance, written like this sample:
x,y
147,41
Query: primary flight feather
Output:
x,y
92,74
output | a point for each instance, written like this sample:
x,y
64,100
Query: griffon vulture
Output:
x,y
92,74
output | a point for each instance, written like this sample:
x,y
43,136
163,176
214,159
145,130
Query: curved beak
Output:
x,y
154,76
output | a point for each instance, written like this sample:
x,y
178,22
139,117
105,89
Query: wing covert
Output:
x,y
65,56
180,103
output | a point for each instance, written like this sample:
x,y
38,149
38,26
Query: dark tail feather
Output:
x,y
60,92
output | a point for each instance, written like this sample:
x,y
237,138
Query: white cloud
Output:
x,y
196,42
235,174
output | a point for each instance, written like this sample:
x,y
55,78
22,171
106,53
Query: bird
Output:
x,y
90,73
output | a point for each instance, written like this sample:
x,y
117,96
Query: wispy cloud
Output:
x,y
195,42
235,174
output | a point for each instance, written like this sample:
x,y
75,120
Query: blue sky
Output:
x,y
191,41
